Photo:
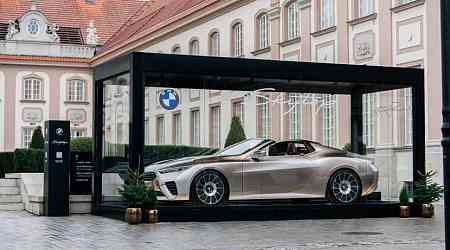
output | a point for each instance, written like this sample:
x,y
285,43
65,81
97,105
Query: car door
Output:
x,y
278,176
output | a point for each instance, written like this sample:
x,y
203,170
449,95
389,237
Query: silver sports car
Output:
x,y
265,169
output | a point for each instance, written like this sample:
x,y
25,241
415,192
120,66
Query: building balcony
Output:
x,y
32,48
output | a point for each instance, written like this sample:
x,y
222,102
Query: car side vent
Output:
x,y
172,186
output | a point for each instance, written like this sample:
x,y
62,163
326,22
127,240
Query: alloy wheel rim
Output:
x,y
345,187
210,189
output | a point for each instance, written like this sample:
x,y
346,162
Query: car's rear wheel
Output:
x,y
209,188
344,187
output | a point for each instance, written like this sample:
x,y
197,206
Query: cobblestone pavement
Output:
x,y
20,230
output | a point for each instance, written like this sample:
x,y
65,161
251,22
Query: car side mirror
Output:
x,y
258,155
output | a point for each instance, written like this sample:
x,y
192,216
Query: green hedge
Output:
x,y
82,144
32,160
29,160
6,163
155,153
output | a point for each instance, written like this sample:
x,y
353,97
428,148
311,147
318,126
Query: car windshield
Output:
x,y
241,148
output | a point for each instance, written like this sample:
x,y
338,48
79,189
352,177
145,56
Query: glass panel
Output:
x,y
116,118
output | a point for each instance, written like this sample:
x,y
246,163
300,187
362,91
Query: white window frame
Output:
x,y
76,90
214,44
215,127
407,93
238,40
177,128
327,14
81,133
401,2
160,130
366,7
27,134
239,110
195,127
329,120
369,119
292,21
263,117
194,47
147,131
263,30
295,116
33,89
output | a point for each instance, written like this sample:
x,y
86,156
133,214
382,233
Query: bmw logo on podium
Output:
x,y
169,99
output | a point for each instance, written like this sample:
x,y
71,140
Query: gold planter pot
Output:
x,y
153,216
427,210
405,211
133,215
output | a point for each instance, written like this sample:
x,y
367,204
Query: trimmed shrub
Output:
x,y
29,160
236,133
37,140
82,144
6,163
348,147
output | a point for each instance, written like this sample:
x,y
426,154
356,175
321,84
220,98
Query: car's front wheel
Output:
x,y
344,187
209,188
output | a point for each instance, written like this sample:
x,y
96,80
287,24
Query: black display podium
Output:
x,y
57,168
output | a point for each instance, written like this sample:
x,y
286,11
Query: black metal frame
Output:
x,y
181,71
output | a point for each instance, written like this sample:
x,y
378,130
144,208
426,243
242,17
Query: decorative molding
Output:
x,y
290,42
76,115
407,6
32,115
213,93
326,52
32,101
364,48
292,54
324,31
194,98
415,35
364,19
261,51
77,102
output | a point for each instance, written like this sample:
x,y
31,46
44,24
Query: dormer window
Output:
x,y
33,27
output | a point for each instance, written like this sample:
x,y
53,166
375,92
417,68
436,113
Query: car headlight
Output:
x,y
172,169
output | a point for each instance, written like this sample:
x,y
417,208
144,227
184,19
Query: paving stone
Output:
x,y
20,230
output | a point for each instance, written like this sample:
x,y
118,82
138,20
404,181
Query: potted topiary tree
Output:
x,y
236,133
426,192
404,202
37,139
134,192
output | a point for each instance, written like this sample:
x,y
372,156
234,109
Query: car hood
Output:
x,y
183,161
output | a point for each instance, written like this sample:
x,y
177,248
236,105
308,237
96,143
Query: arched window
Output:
x,y
237,40
32,89
76,90
262,24
194,47
176,49
214,44
292,21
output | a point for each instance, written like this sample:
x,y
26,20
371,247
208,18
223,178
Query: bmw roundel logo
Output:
x,y
59,131
169,99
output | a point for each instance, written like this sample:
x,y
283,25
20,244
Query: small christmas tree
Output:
x,y
236,133
37,140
